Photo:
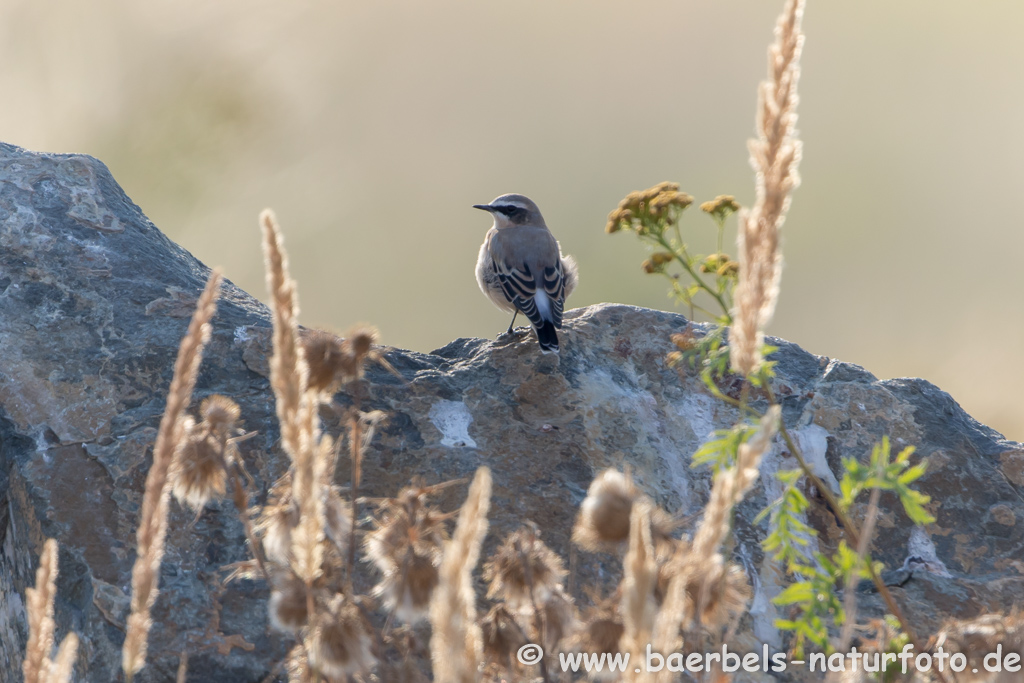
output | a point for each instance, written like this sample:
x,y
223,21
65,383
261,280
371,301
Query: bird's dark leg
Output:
x,y
509,331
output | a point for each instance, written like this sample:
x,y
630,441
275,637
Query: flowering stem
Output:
x,y
696,278
851,533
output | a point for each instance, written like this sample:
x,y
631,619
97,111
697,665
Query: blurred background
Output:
x,y
371,127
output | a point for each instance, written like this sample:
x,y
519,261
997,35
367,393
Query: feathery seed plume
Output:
x,y
63,665
296,409
775,155
455,644
153,523
639,577
40,616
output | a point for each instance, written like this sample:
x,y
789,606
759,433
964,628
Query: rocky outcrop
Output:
x,y
94,300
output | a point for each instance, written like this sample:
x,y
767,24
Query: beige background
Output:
x,y
372,126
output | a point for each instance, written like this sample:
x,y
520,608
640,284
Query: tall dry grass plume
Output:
x,y
37,666
456,644
775,155
153,523
639,578
296,409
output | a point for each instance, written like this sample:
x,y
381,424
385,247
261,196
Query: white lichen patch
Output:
x,y
452,419
921,554
813,443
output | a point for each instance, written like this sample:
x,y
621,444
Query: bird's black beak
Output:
x,y
484,207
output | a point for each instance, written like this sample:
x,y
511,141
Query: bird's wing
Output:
x,y
526,261
520,287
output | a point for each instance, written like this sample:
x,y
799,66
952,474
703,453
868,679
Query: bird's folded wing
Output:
x,y
520,288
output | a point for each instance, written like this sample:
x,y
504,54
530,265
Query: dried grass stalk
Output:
x,y
40,616
296,407
640,575
731,485
775,155
153,524
64,664
456,644
702,585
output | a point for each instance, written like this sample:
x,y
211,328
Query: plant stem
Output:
x,y
241,499
851,533
696,278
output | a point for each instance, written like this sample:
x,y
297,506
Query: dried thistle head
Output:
x,y
406,547
277,519
325,356
198,471
334,361
978,637
523,562
338,645
287,608
603,521
601,627
220,412
502,637
407,592
721,206
557,618
361,339
721,594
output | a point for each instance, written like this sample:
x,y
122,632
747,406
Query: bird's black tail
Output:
x,y
547,337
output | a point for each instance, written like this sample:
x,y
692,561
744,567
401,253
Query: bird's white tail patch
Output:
x,y
543,304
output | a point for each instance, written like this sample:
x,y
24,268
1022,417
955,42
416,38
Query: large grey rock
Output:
x,y
94,300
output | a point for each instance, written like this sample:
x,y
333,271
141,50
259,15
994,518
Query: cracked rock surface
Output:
x,y
94,300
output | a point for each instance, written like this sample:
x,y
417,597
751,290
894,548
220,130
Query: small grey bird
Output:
x,y
521,268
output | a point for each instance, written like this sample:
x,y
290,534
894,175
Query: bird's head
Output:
x,y
511,210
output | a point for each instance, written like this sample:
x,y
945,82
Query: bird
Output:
x,y
521,268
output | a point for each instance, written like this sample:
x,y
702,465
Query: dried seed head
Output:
x,y
980,636
220,412
361,339
198,471
407,591
338,645
558,619
327,359
287,607
407,547
601,628
502,638
722,596
277,520
603,521
523,562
